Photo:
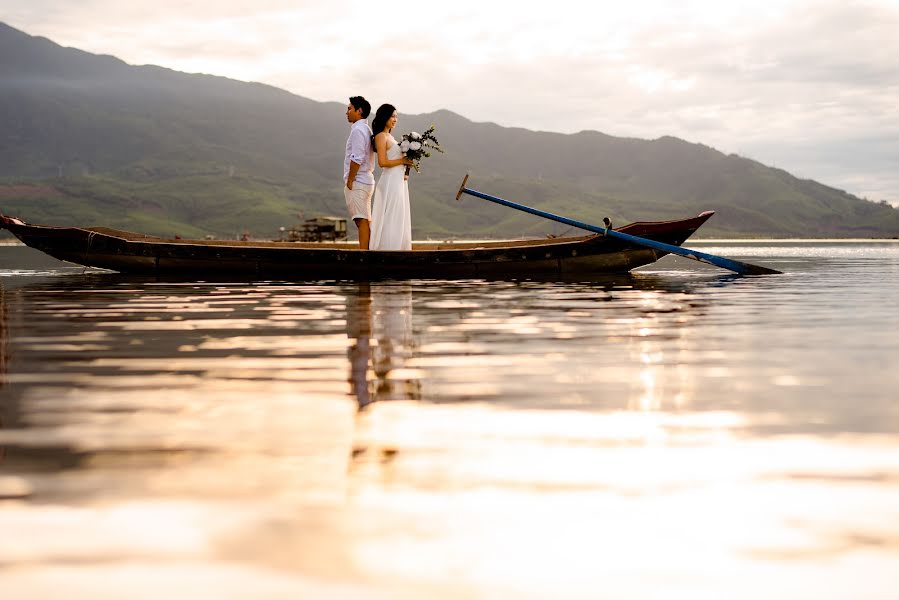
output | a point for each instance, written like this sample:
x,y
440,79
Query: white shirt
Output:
x,y
358,150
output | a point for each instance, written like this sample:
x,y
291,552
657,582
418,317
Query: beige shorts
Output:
x,y
358,200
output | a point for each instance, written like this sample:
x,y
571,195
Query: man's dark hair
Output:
x,y
360,102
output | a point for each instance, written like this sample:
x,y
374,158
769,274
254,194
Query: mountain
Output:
x,y
88,139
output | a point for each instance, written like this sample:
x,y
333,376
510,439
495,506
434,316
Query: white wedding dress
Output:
x,y
391,216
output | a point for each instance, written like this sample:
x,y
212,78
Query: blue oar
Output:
x,y
725,263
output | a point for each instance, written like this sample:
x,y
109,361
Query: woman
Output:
x,y
391,217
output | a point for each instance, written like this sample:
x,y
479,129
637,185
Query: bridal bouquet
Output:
x,y
419,145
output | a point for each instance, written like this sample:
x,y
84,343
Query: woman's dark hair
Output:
x,y
385,111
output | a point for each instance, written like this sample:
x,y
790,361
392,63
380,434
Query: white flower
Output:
x,y
415,145
414,136
404,145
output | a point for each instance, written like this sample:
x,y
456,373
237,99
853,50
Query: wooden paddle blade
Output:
x,y
760,270
462,187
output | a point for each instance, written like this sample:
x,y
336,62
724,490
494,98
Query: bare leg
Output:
x,y
364,232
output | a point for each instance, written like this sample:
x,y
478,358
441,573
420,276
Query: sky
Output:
x,y
809,86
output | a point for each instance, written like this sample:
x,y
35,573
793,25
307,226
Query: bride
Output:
x,y
391,217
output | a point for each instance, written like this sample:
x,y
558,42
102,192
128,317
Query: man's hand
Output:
x,y
351,176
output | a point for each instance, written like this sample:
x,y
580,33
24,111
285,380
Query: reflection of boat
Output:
x,y
137,253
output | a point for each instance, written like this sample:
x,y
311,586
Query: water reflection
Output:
x,y
395,344
382,343
496,439
4,360
359,332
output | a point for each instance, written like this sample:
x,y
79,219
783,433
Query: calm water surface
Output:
x,y
676,433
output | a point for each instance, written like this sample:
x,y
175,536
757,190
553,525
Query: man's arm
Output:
x,y
358,147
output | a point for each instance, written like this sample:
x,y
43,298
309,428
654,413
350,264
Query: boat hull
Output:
x,y
128,252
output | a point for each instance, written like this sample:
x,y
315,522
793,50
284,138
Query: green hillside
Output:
x,y
90,140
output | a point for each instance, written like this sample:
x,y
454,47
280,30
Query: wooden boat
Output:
x,y
128,252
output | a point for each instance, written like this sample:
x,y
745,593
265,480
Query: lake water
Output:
x,y
677,433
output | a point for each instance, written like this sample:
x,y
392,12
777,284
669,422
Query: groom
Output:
x,y
358,168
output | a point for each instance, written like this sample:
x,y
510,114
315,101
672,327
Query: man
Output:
x,y
358,168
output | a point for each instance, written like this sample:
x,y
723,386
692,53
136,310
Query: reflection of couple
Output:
x,y
382,313
4,361
387,226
